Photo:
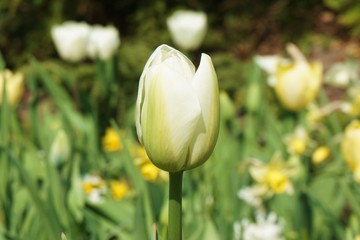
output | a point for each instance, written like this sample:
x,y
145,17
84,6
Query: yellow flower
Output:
x,y
353,108
276,180
111,141
94,187
314,115
350,148
147,168
297,83
275,175
14,86
320,154
297,142
119,189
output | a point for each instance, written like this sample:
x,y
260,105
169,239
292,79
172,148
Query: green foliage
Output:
x,y
348,13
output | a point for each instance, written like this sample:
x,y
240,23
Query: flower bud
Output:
x,y
187,28
350,147
60,148
70,39
103,42
297,83
14,86
177,110
320,155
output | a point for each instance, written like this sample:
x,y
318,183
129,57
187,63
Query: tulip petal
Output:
x,y
206,86
172,111
291,86
160,54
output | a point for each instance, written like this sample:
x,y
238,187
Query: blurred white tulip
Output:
x,y
187,28
70,39
103,42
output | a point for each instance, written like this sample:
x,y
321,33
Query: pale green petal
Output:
x,y
206,87
171,112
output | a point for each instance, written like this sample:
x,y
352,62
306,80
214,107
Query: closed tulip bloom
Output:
x,y
60,149
70,39
297,83
14,86
187,28
177,110
350,147
103,42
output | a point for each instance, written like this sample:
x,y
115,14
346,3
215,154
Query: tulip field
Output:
x,y
169,121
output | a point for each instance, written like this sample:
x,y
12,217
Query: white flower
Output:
x,y
177,110
269,64
94,187
253,195
103,42
341,74
187,28
70,39
265,228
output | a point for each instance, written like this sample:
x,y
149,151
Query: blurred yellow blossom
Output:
x,y
350,147
320,154
352,108
111,141
298,141
275,175
14,86
147,168
94,187
119,189
276,180
297,83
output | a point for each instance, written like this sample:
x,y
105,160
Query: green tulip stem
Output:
x,y
175,216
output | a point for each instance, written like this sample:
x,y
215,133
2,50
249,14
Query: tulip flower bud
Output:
x,y
103,42
14,86
177,110
70,39
60,148
297,83
350,147
187,28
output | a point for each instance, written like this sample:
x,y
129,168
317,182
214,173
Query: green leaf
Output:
x,y
75,198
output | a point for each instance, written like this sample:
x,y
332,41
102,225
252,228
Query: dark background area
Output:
x,y
241,27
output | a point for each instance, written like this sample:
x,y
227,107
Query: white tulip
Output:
x,y
177,110
70,39
187,28
103,42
